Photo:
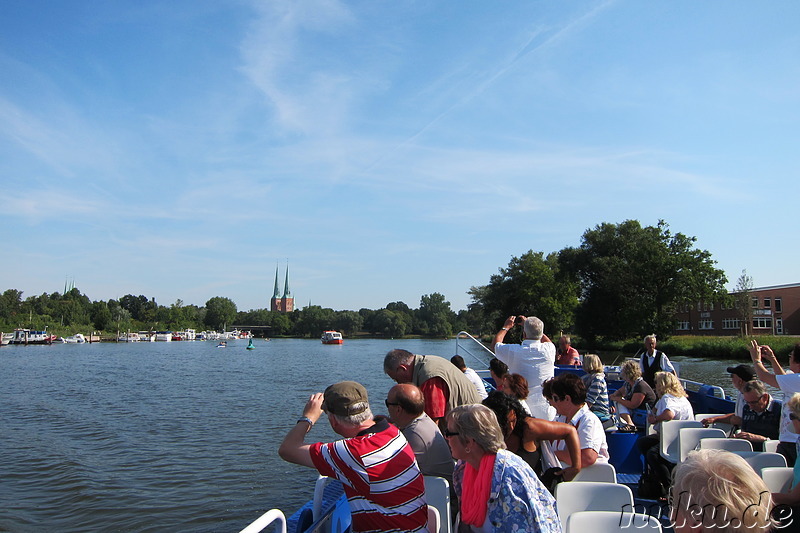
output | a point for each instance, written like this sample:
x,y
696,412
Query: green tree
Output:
x,y
314,320
389,323
743,302
531,285
434,316
348,322
632,278
220,312
101,316
10,305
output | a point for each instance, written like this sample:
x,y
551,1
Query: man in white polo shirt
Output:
x,y
789,383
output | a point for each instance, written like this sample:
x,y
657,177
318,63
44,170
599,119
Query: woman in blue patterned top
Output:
x,y
496,489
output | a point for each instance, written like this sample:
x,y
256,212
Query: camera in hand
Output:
x,y
518,321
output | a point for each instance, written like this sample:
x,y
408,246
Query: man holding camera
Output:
x,y
533,359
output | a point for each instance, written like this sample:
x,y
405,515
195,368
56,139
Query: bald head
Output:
x,y
408,397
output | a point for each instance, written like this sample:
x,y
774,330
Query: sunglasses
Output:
x,y
793,416
448,433
388,403
555,399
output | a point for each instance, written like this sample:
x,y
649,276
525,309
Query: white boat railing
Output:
x,y
263,521
472,346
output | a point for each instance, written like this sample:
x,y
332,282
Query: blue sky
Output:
x,y
387,150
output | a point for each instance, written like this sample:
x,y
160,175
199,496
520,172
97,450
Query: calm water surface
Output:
x,y
178,436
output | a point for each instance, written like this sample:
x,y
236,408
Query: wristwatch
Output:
x,y
305,419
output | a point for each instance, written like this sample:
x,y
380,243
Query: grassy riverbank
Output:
x,y
713,347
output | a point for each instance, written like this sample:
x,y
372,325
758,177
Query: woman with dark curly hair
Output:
x,y
525,435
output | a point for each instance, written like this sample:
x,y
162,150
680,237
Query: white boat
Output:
x,y
78,338
147,336
131,336
29,336
5,338
163,336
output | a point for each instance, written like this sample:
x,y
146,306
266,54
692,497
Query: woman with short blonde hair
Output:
x,y
668,383
634,394
597,389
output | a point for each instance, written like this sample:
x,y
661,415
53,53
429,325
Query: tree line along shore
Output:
x,y
622,282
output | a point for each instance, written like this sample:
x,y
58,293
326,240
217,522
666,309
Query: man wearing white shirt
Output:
x,y
471,375
789,383
533,360
653,361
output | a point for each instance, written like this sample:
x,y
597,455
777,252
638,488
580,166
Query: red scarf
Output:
x,y
477,485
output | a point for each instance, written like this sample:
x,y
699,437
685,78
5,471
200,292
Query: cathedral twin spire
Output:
x,y
283,303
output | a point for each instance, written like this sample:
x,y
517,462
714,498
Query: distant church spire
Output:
x,y
277,292
286,292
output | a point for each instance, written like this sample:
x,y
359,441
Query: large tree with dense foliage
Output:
x,y
531,285
632,278
434,316
219,312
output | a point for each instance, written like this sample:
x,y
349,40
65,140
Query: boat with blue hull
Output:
x,y
329,512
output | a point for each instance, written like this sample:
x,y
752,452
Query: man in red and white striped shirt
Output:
x,y
374,461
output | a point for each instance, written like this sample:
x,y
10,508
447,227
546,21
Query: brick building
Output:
x,y
774,310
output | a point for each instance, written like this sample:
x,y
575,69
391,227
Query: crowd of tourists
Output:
x,y
505,448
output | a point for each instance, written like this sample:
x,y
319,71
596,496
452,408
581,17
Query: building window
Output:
x,y
683,325
778,305
767,302
711,306
755,303
731,323
699,306
778,326
762,323
705,324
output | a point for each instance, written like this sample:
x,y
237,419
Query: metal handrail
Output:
x,y
265,520
462,334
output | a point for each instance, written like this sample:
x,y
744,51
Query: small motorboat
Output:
x,y
78,338
223,344
332,337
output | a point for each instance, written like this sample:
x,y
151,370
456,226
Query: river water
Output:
x,y
179,436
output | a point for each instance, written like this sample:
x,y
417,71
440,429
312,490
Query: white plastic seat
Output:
x,y
760,460
731,445
778,478
669,445
433,519
592,496
437,494
771,445
690,438
600,472
610,522
719,425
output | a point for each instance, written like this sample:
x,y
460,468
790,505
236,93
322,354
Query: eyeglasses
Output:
x,y
554,399
448,433
388,403
793,416
754,402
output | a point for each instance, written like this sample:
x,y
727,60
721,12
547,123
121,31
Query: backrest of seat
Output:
x,y
610,522
762,460
669,446
731,445
433,519
437,494
689,438
771,445
778,478
602,472
719,425
573,497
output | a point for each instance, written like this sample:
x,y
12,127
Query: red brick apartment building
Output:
x,y
775,311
